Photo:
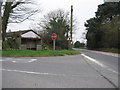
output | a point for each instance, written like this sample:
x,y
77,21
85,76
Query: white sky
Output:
x,y
82,11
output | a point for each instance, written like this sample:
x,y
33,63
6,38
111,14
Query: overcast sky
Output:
x,y
82,11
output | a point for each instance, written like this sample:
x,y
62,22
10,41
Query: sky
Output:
x,y
82,10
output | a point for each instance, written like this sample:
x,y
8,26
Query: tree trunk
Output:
x,y
0,22
5,19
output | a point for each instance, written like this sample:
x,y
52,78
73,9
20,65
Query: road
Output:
x,y
106,59
105,63
76,71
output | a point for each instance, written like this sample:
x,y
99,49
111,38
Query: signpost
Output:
x,y
54,36
69,43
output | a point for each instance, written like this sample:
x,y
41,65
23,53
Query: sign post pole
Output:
x,y
53,38
54,44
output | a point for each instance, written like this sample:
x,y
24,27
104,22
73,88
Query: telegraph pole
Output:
x,y
71,21
0,27
69,38
71,27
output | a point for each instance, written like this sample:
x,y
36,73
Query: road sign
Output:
x,y
54,36
69,39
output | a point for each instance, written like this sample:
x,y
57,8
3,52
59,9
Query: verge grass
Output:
x,y
39,53
112,50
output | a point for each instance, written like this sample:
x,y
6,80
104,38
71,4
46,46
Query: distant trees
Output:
x,y
104,28
15,12
58,22
77,44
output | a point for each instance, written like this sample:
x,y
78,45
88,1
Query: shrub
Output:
x,y
5,45
78,44
10,44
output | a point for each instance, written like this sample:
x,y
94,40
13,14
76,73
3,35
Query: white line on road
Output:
x,y
14,61
29,72
38,73
23,71
97,62
32,60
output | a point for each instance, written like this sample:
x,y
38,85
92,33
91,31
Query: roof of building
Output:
x,y
23,34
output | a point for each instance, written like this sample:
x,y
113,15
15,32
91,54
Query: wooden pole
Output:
x,y
71,27
71,22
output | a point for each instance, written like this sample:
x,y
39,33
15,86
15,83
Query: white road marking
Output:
x,y
29,72
14,61
112,70
32,60
1,60
38,73
97,62
18,60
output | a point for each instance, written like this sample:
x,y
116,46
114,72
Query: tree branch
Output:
x,y
28,15
15,5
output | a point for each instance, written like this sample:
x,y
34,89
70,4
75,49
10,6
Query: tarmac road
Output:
x,y
106,63
55,72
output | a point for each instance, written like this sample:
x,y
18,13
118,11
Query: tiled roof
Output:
x,y
19,33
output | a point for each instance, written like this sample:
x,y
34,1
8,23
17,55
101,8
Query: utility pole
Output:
x,y
71,22
69,38
0,26
71,27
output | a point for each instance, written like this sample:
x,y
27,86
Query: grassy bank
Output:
x,y
39,53
112,50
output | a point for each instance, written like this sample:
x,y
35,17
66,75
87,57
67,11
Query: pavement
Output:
x,y
76,71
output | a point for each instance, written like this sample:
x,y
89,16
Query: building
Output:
x,y
27,39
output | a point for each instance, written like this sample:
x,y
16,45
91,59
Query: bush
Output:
x,y
5,45
13,44
10,44
78,44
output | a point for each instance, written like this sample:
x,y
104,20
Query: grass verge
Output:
x,y
39,53
112,50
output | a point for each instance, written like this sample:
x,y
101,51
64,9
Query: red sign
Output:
x,y
54,36
69,39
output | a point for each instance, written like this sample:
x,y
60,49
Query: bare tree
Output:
x,y
56,21
15,12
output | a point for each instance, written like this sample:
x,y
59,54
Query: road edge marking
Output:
x,y
100,64
97,62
